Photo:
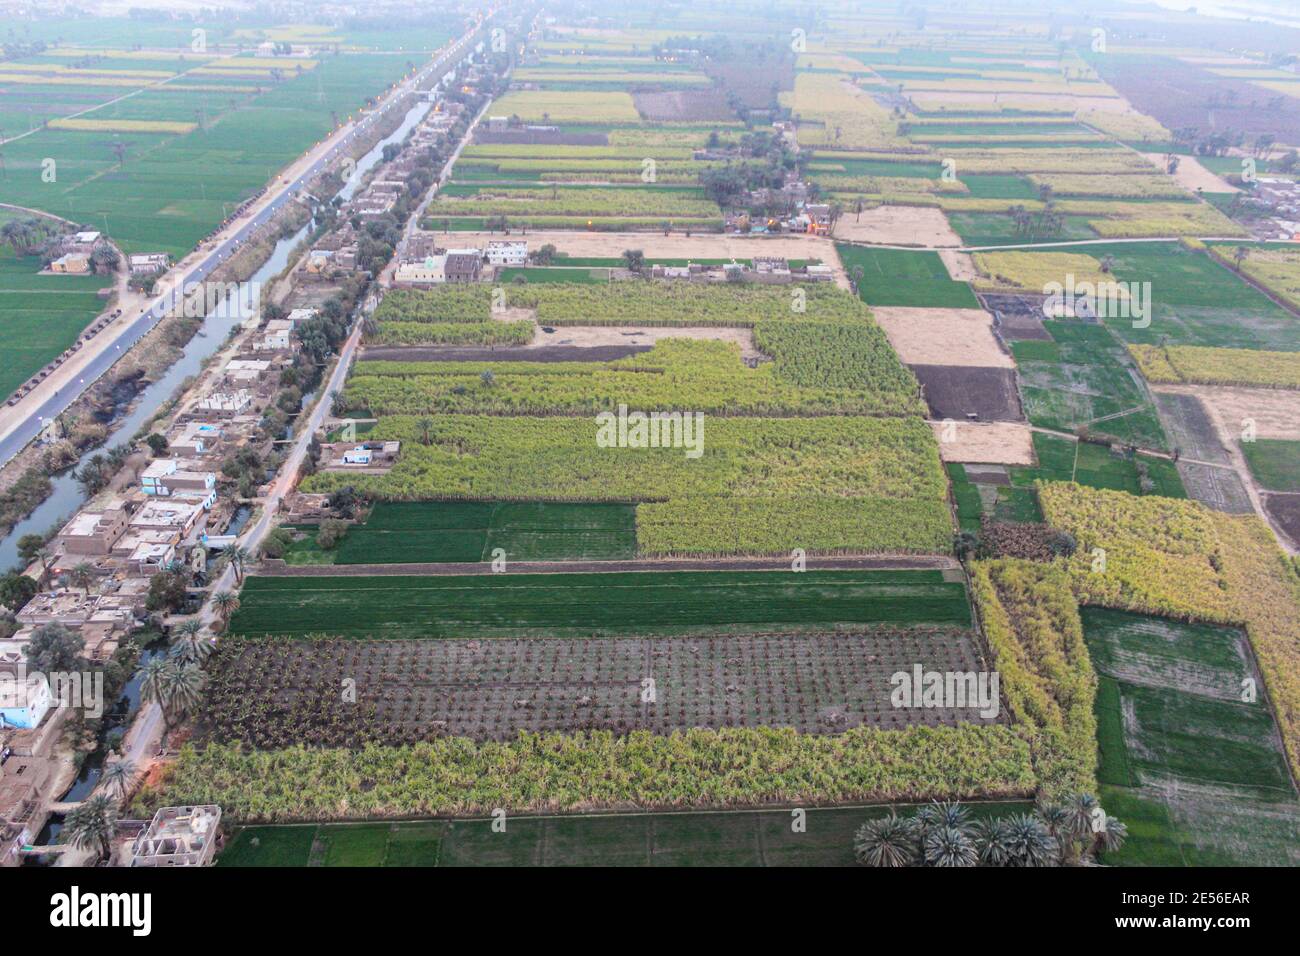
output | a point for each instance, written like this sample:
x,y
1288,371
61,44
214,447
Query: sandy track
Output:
x,y
943,336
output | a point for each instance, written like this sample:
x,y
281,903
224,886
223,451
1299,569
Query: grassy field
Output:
x,y
905,278
744,838
1275,463
40,316
415,531
1196,773
1083,380
590,604
1197,300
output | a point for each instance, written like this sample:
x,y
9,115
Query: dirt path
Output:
x,y
279,569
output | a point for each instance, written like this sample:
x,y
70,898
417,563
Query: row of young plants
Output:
x,y
516,201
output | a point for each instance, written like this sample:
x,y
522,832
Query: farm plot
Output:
x,y
757,486
168,189
1175,733
1197,301
901,277
898,225
1284,511
1274,463
729,838
269,692
998,443
1083,381
817,369
943,336
41,315
592,604
960,392
433,532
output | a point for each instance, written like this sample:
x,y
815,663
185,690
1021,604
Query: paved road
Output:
x,y
131,333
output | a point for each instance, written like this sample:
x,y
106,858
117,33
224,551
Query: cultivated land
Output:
x,y
862,424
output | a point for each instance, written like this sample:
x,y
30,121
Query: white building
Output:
x,y
431,270
508,252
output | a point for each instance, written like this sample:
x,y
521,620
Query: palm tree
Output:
x,y
889,842
1028,842
117,779
993,838
81,575
226,603
189,644
91,825
424,424
949,846
175,686
236,558
1239,256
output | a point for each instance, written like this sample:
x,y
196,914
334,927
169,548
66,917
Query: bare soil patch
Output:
x,y
1284,510
1273,410
986,443
1016,317
943,336
1191,175
683,105
956,392
898,226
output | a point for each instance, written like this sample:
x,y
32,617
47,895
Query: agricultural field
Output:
x,y
732,838
224,135
584,605
413,690
1178,741
41,315
452,532
1083,381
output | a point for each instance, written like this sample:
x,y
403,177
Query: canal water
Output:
x,y
217,326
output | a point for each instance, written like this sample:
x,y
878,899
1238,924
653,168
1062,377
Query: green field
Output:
x,y
40,316
1084,380
1197,300
660,602
171,189
430,531
1195,771
905,278
738,838
1275,463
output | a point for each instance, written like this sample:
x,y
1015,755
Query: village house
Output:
x,y
72,263
179,515
93,533
276,337
194,440
148,263
507,252
165,477
431,270
463,265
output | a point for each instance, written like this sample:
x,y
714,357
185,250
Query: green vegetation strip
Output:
x,y
575,604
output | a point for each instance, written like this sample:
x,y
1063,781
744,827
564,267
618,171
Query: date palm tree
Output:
x,y
117,779
887,842
175,686
189,643
91,825
949,846
236,557
226,604
1028,842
